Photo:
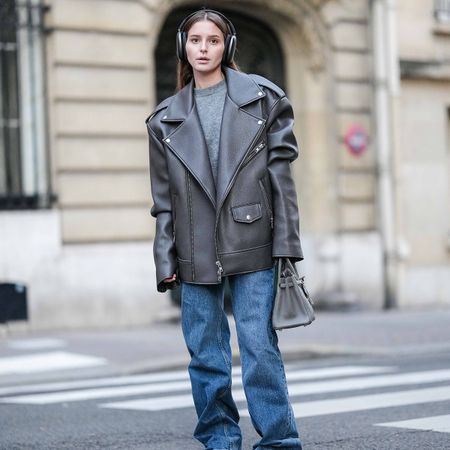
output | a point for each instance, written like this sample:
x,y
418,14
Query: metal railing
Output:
x,y
442,10
24,169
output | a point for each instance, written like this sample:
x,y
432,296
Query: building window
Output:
x,y
24,168
442,11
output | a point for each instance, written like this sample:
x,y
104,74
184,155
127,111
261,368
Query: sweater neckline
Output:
x,y
215,88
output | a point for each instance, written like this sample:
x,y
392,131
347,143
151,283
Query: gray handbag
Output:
x,y
292,304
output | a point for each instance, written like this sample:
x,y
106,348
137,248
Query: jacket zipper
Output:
x,y
253,153
218,262
174,215
219,271
266,199
188,183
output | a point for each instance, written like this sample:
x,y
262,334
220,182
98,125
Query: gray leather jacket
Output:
x,y
204,232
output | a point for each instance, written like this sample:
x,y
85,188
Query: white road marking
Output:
x,y
433,423
36,343
366,402
298,374
163,386
358,383
90,394
185,401
46,362
338,371
96,382
157,404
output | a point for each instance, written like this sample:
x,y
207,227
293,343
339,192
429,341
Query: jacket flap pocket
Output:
x,y
246,213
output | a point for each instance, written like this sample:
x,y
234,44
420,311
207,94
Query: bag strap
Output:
x,y
290,266
295,274
286,268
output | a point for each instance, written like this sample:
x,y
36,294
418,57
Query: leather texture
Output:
x,y
204,231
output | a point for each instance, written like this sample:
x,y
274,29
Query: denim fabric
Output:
x,y
207,336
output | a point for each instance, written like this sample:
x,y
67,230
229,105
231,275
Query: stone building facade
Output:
x,y
369,81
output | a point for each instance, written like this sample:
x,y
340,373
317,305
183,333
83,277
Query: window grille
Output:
x,y
24,169
442,10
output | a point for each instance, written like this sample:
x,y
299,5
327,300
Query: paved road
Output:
x,y
348,402
357,379
39,356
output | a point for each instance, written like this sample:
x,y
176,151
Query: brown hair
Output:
x,y
184,69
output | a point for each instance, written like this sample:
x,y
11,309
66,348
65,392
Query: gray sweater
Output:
x,y
210,102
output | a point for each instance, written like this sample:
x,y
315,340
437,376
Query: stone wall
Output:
x,y
423,156
99,68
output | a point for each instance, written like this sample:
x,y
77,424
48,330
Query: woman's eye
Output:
x,y
194,40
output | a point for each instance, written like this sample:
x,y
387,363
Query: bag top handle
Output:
x,y
288,265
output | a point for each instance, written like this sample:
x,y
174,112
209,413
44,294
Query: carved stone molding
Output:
x,y
315,49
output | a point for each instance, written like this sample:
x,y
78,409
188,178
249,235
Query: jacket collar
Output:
x,y
242,90
241,125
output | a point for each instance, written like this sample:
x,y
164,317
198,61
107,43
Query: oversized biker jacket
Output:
x,y
205,232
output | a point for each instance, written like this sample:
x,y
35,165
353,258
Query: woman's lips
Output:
x,y
203,60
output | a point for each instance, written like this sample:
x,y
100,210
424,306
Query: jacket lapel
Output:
x,y
241,123
187,141
239,130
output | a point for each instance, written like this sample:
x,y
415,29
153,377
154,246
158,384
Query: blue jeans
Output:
x,y
207,336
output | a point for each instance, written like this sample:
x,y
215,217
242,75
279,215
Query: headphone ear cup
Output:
x,y
225,56
231,49
181,45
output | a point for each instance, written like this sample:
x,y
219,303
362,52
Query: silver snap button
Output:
x,y
248,217
165,117
259,93
168,140
259,122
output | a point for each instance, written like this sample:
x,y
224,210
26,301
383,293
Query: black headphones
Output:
x,y
230,38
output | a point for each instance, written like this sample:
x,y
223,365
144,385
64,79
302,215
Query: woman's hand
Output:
x,y
170,279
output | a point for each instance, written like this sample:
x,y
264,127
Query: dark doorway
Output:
x,y
258,50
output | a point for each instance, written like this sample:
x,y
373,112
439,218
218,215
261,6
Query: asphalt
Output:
x,y
160,345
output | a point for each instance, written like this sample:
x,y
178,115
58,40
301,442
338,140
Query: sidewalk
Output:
x,y
160,346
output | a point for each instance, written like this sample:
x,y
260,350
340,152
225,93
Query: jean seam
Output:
x,y
228,364
272,331
283,376
222,350
222,414
290,418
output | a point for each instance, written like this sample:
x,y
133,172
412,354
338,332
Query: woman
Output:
x,y
225,206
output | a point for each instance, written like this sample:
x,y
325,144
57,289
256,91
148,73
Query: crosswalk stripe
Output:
x,y
157,404
432,423
185,401
91,394
46,362
180,375
373,401
339,371
350,384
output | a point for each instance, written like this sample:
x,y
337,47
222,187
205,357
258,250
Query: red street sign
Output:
x,y
356,140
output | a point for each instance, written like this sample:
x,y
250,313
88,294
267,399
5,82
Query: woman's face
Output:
x,y
204,46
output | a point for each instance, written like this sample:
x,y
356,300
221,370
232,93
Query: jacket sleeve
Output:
x,y
164,252
283,149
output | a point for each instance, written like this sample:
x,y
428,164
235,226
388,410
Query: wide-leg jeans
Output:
x,y
207,336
